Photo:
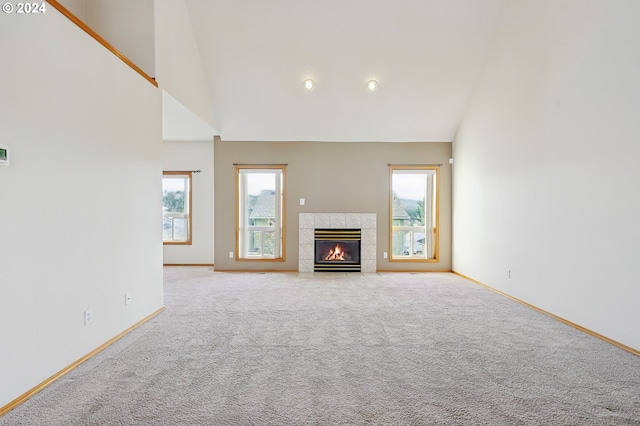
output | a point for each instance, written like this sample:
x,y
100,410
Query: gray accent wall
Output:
x,y
349,177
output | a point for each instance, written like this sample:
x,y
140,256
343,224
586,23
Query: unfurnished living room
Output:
x,y
242,212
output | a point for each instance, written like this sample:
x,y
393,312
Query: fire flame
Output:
x,y
335,254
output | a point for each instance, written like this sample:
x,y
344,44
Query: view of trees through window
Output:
x,y
414,208
173,200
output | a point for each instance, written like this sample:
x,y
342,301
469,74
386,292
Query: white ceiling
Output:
x,y
427,56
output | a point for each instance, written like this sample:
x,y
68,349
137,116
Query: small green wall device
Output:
x,y
4,155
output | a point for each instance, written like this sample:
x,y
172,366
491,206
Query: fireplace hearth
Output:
x,y
337,250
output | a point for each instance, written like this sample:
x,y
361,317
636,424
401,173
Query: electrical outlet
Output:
x,y
384,254
88,317
127,298
230,255
508,273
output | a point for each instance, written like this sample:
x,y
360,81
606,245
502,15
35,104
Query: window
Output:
x,y
176,208
260,213
414,213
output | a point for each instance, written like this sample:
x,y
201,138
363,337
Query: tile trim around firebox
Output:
x,y
308,222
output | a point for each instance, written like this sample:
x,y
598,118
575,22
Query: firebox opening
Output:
x,y
337,250
337,253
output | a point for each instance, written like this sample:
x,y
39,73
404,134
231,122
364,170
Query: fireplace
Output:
x,y
337,250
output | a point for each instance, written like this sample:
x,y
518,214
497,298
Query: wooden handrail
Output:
x,y
100,40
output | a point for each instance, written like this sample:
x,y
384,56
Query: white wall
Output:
x,y
186,156
546,174
128,26
80,204
77,7
178,65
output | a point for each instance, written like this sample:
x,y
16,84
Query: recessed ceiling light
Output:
x,y
372,85
308,84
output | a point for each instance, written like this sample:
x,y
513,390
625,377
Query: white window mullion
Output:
x,y
277,235
428,216
244,215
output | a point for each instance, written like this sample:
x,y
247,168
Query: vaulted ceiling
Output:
x,y
426,55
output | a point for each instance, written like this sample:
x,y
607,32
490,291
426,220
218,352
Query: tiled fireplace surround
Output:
x,y
308,222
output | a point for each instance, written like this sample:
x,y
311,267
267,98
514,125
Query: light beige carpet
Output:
x,y
343,349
